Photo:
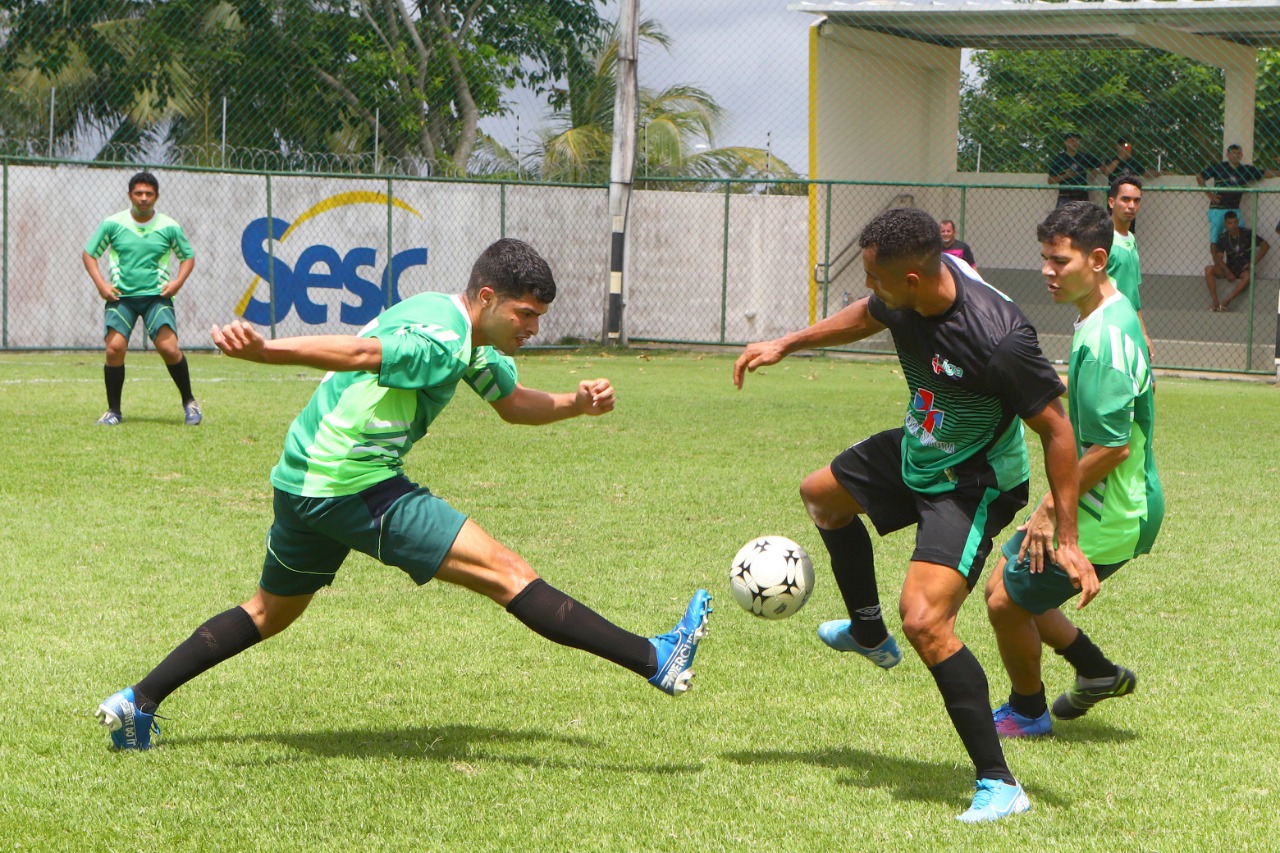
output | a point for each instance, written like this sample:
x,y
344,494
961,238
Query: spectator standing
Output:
x,y
1070,169
1226,175
1124,163
956,248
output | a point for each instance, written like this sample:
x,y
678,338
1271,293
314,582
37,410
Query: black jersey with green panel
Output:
x,y
973,373
359,425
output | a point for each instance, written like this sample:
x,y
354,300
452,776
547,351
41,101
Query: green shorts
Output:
x,y
156,313
395,522
1042,591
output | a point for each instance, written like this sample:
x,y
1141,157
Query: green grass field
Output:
x,y
403,718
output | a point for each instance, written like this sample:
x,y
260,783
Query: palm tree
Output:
x,y
677,129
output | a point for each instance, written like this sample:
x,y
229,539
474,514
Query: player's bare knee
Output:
x,y
818,506
512,573
924,630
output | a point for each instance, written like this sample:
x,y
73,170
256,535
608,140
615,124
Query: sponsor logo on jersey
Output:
x,y
941,366
925,419
302,272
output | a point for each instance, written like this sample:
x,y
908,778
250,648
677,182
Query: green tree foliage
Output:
x,y
1018,104
298,75
675,130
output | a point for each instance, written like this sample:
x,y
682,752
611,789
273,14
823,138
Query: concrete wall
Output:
x,y
332,238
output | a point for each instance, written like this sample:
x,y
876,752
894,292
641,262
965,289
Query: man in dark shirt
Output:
x,y
956,248
1124,163
1070,169
1231,255
1225,175
955,467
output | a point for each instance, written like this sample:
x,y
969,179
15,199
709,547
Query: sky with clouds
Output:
x,y
750,55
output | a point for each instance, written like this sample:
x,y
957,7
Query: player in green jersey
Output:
x,y
141,242
340,483
1124,197
1112,409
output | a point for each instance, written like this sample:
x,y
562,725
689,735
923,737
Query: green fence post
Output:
x,y
271,262
724,263
1253,284
391,274
4,273
502,209
964,198
826,257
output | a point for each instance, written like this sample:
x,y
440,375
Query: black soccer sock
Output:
x,y
182,378
224,636
1032,706
1087,658
964,690
114,379
564,620
853,563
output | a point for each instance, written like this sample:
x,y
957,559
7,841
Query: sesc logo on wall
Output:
x,y
330,263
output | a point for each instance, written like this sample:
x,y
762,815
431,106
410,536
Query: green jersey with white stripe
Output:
x,y
359,425
1123,267
1111,403
139,251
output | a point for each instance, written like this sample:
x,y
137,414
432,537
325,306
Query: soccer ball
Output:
x,y
771,577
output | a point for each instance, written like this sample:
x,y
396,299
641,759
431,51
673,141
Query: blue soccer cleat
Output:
x,y
191,414
677,647
111,418
1009,723
837,635
993,800
130,727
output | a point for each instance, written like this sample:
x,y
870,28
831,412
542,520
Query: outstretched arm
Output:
x,y
533,407
851,323
325,352
1062,469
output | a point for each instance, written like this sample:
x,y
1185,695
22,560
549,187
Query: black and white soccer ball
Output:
x,y
771,577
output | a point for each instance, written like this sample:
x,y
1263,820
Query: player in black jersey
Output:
x,y
957,468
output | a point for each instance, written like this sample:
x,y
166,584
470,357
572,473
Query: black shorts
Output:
x,y
955,528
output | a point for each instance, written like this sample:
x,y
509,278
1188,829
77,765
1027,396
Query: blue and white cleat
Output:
x,y
1009,723
837,635
677,647
191,414
111,418
130,727
993,800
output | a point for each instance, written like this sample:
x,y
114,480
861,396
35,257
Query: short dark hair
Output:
x,y
903,233
513,269
144,178
1120,180
950,222
1070,134
1086,225
1234,147
1231,214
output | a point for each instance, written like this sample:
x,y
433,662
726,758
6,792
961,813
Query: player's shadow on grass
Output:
x,y
906,778
1090,731
454,744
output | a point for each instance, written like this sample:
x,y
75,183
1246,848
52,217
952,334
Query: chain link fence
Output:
x,y
298,253
327,157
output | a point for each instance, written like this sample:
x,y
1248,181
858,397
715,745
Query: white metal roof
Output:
x,y
989,24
